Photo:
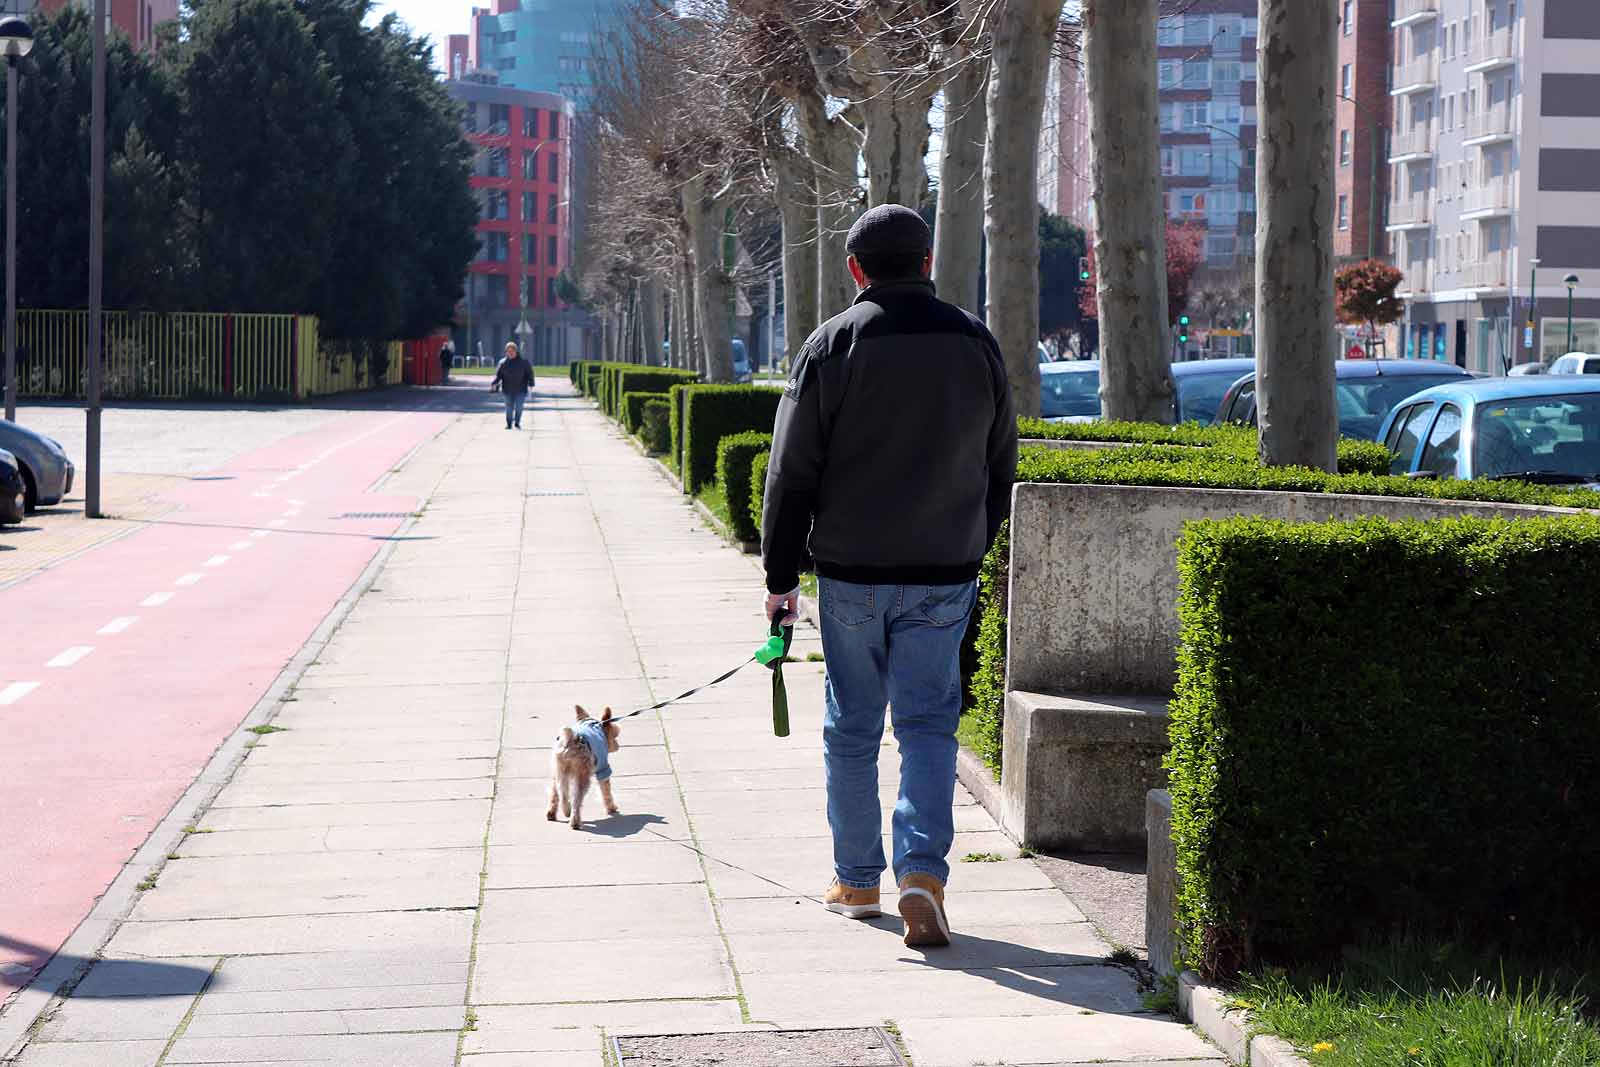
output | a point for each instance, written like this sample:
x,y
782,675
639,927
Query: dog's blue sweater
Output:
x,y
594,735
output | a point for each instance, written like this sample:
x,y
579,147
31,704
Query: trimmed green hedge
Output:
x,y
574,370
591,379
1439,777
653,425
1355,457
631,378
675,401
712,412
736,456
1167,465
758,484
633,408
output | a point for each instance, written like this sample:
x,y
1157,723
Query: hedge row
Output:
x,y
631,410
653,426
707,414
736,455
619,379
1355,457
1189,467
1441,781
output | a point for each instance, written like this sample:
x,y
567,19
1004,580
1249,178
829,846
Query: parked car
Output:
x,y
1576,363
13,491
1070,389
46,470
1544,430
1366,390
1524,369
741,362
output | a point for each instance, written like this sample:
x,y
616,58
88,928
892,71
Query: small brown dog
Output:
x,y
580,754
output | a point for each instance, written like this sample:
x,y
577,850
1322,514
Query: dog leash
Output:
x,y
770,655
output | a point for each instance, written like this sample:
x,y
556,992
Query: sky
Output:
x,y
435,19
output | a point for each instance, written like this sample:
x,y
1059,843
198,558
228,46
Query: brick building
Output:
x,y
1362,178
136,18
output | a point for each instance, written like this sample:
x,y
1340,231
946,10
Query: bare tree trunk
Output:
x,y
797,203
608,337
650,317
958,230
1295,401
705,211
896,146
1023,33
675,327
834,149
690,359
1130,229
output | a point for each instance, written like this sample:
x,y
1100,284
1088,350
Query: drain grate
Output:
x,y
554,492
863,1047
377,515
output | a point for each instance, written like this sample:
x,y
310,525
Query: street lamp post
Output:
x,y
16,41
97,240
1571,282
1529,341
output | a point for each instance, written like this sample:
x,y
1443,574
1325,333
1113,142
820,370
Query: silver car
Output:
x,y
13,492
46,470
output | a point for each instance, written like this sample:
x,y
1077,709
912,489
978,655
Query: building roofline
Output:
x,y
481,93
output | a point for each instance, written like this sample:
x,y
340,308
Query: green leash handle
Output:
x,y
771,655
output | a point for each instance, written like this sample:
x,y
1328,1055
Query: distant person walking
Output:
x,y
893,454
447,359
514,376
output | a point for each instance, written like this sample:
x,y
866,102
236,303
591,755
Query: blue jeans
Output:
x,y
895,645
514,402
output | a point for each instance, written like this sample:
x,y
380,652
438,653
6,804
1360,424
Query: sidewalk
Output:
x,y
377,884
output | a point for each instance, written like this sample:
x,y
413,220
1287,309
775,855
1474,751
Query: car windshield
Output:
x,y
1069,393
1539,436
1363,402
1200,395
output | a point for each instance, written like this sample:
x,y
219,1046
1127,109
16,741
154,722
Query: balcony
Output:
x,y
1418,76
1495,49
1492,272
1414,213
1489,201
1413,145
1487,127
1410,12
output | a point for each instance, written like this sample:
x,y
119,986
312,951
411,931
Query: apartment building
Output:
x,y
544,46
1362,178
138,19
1495,178
1065,186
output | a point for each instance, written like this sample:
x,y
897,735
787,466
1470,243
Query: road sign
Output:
x,y
1527,337
1356,352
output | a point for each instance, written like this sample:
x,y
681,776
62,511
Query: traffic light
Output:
x,y
1183,329
1083,268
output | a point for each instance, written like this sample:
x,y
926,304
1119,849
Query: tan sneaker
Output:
x,y
922,907
852,903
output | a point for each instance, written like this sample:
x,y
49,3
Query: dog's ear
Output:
x,y
567,736
581,713
607,716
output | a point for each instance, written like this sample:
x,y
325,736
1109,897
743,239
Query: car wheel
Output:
x,y
30,490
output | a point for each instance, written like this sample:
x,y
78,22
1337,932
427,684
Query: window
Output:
x,y
1404,446
497,163
1167,71
1344,148
550,292
530,249
496,205
1197,29
496,247
552,249
1225,75
499,290
530,206
530,123
499,118
470,118
1168,166
1196,114
550,211
1169,116
530,291
506,64
1197,74
555,124
1194,162
555,167
1348,19
1170,31
1443,443
1344,212
1347,83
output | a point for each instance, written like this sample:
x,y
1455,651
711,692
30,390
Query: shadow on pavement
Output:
x,y
1055,977
623,825
118,978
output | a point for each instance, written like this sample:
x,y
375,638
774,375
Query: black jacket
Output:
x,y
514,375
895,446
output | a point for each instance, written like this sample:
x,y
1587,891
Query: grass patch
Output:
x,y
148,884
982,857
264,730
974,737
715,501
813,657
539,371
1430,1005
808,585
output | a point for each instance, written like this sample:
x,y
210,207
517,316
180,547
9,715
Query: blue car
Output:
x,y
45,468
1366,391
1542,429
1069,390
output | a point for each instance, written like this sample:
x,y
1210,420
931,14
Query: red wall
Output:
x,y
515,226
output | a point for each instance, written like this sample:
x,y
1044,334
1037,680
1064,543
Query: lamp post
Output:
x,y
97,242
16,41
1571,282
1529,341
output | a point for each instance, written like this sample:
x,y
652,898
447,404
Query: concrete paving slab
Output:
x,y
537,1059
620,913
267,793
381,967
555,866
220,1001
1056,1039
312,839
575,970
402,813
327,1021
93,1054
292,933
563,1027
361,1050
116,1019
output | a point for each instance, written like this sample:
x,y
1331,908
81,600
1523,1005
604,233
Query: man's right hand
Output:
x,y
789,601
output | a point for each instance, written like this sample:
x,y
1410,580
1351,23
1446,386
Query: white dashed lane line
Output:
x,y
191,579
155,600
217,561
240,546
71,656
15,692
116,626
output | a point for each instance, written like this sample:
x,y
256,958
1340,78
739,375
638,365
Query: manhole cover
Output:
x,y
376,515
866,1047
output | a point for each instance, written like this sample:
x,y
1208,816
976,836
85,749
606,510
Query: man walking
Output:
x,y
514,375
447,359
894,449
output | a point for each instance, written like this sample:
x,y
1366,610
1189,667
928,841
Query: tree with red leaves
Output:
x,y
1185,247
1366,296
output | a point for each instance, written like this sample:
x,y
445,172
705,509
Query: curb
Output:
x,y
1207,1008
81,950
981,783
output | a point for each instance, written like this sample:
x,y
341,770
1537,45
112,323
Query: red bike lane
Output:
x,y
123,669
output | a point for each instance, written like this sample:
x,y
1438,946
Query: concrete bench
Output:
x,y
1077,769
